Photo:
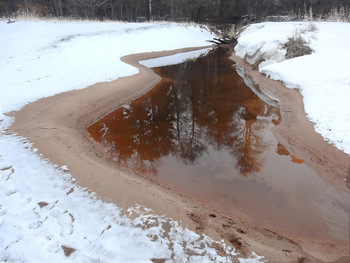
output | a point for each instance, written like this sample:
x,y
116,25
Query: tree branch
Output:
x,y
102,3
82,2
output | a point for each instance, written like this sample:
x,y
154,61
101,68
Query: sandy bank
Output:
x,y
57,127
298,134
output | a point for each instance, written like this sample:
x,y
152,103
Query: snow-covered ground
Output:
x,y
323,77
44,215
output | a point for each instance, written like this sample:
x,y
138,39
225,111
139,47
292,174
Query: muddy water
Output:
x,y
204,132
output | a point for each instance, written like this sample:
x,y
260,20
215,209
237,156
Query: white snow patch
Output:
x,y
323,77
174,59
254,258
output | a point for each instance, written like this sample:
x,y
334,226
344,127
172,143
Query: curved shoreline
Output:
x,y
58,135
297,133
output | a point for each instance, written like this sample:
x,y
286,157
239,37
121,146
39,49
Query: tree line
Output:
x,y
204,11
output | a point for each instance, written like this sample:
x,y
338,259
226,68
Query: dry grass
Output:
x,y
297,47
34,12
23,16
26,16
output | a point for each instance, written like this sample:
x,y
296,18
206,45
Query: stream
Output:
x,y
204,132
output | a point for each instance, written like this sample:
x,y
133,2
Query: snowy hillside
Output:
x,y
323,77
44,215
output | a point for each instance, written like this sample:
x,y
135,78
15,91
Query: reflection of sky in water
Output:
x,y
203,131
174,59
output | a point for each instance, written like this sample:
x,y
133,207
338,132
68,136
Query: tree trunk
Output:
x,y
172,15
92,9
60,8
150,9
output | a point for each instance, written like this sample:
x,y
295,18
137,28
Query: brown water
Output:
x,y
204,132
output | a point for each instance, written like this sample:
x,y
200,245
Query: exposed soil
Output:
x,y
57,127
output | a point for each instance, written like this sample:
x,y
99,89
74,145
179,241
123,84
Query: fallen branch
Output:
x,y
219,41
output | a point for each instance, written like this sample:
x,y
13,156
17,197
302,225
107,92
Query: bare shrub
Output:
x,y
32,10
232,32
339,15
235,30
296,47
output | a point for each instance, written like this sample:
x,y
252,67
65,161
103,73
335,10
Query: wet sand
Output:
x,y
57,127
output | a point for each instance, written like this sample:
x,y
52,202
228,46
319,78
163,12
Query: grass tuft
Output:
x,y
296,47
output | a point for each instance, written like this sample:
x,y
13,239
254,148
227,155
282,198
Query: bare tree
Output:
x,y
209,11
150,9
92,4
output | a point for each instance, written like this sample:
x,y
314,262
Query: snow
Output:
x,y
322,78
254,258
44,214
174,59
50,58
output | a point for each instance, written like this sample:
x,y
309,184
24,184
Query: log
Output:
x,y
219,41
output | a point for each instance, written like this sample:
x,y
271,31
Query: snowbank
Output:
x,y
44,215
49,58
323,77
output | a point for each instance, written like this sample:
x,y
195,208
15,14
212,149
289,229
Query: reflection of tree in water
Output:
x,y
197,104
251,144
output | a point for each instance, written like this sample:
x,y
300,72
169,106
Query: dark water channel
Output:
x,y
204,132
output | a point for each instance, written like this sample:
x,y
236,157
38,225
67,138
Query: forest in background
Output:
x,y
202,11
